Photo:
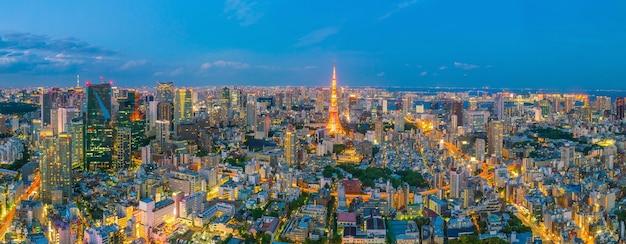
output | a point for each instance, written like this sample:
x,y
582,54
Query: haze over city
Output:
x,y
517,44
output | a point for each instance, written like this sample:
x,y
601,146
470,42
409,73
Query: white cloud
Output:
x,y
63,59
381,74
205,66
396,8
317,36
424,73
242,11
310,67
132,64
231,64
465,66
176,72
268,67
7,60
443,67
226,64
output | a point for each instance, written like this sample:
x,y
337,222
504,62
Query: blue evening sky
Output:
x,y
414,43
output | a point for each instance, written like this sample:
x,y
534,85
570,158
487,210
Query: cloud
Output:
x,y
225,64
132,64
22,52
317,36
381,74
268,67
7,60
397,7
308,67
205,66
22,41
242,11
424,73
231,64
443,67
169,72
176,72
465,66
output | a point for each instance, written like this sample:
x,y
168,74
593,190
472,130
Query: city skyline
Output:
x,y
348,122
530,44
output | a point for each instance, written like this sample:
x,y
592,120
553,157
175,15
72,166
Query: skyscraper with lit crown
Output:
x,y
334,125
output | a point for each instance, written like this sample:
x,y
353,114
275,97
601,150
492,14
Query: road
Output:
x,y
6,221
537,229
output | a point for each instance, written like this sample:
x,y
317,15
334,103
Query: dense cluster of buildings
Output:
x,y
107,164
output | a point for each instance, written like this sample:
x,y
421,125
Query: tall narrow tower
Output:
x,y
334,125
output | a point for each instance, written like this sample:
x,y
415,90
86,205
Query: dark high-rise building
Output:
x,y
165,111
98,128
131,117
619,108
46,106
457,109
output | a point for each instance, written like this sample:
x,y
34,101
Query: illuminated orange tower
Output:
x,y
334,125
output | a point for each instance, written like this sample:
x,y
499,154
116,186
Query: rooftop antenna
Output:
x,y
77,80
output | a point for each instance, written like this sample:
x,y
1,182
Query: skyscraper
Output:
x,y
183,107
495,138
569,103
77,129
479,149
56,167
98,128
122,147
290,148
457,109
455,184
619,108
165,91
46,105
378,131
499,106
131,117
334,124
65,116
165,111
225,98
162,134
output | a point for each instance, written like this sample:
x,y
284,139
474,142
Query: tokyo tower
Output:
x,y
334,125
